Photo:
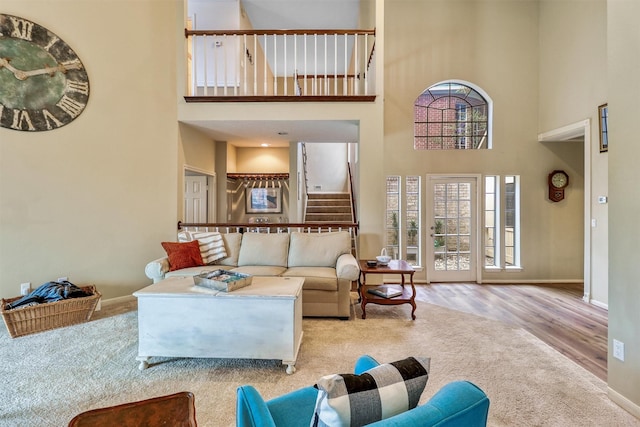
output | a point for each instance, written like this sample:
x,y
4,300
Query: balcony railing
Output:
x,y
294,65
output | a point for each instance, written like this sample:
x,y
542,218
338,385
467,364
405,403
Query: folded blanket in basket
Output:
x,y
49,292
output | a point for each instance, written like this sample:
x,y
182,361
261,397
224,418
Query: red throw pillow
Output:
x,y
183,255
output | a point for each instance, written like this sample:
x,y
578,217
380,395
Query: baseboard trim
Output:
x,y
524,282
623,402
534,281
117,300
599,304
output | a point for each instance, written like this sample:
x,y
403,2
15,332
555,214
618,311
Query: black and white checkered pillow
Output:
x,y
381,392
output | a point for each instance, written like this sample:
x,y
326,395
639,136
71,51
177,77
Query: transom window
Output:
x,y
451,116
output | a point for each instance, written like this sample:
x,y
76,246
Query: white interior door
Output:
x,y
195,199
452,253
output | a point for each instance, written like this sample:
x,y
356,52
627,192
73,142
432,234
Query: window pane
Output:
x,y
512,221
392,217
456,118
490,222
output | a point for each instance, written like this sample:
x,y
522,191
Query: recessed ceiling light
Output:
x,y
264,144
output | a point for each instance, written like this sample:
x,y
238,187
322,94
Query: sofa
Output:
x,y
456,404
324,259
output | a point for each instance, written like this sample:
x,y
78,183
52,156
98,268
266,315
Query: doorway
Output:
x,y
199,196
452,220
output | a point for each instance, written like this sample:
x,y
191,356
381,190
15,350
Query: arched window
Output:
x,y
452,116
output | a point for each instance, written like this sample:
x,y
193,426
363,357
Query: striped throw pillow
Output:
x,y
211,244
381,392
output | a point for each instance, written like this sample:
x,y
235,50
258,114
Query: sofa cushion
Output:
x,y
232,243
381,392
318,249
264,249
212,246
318,278
191,271
260,270
183,255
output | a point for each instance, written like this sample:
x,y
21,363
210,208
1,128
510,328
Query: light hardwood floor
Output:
x,y
556,314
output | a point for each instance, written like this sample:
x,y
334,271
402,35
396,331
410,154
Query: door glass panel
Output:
x,y
452,229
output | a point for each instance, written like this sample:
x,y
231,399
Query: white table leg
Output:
x,y
144,362
291,368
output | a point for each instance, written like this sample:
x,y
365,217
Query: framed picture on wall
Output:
x,y
263,200
603,119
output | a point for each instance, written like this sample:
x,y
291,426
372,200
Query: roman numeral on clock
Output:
x,y
70,106
20,118
80,87
50,118
21,28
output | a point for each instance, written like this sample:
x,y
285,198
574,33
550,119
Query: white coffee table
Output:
x,y
260,321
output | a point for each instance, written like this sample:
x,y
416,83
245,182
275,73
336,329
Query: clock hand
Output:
x,y
52,70
18,74
23,75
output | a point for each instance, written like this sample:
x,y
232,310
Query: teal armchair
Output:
x,y
459,403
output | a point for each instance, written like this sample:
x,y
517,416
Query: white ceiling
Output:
x,y
252,133
288,14
302,14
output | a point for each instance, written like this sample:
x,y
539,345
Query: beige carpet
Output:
x,y
49,377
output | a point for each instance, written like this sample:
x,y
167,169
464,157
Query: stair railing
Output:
x,y
283,63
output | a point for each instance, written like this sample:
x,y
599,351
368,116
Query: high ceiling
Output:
x,y
297,14
288,14
253,133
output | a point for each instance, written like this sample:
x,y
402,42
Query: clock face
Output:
x,y
559,180
44,84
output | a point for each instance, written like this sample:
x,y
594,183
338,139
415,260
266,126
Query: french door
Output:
x,y
452,241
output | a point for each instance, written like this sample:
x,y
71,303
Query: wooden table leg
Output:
x,y
361,290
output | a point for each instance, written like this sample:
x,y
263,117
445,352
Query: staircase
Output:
x,y
328,207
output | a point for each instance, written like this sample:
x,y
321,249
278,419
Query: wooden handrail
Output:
x,y
351,187
244,226
188,32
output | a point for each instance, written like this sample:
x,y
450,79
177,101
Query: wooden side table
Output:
x,y
395,267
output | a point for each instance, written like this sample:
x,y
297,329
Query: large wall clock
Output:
x,y
43,84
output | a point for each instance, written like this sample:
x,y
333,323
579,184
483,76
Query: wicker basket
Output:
x,y
51,315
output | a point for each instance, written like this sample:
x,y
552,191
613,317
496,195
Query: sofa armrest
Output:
x,y
347,267
157,268
457,404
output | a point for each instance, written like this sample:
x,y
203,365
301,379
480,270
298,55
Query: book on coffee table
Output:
x,y
385,292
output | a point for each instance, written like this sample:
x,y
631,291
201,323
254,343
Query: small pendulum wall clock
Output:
x,y
558,181
43,84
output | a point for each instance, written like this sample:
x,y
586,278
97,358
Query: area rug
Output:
x,y
48,378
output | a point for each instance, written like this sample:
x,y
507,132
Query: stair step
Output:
x,y
316,196
328,209
329,202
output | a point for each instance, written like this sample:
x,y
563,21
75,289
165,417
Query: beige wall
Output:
x,y
327,167
623,41
573,68
494,46
86,200
262,160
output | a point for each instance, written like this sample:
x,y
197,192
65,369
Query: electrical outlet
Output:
x,y
618,350
25,288
62,279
